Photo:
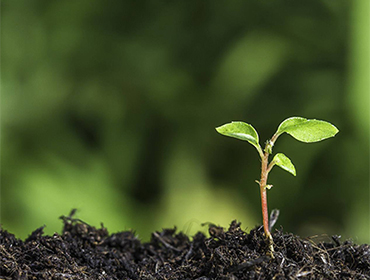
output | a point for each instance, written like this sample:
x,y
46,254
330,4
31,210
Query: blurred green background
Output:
x,y
110,107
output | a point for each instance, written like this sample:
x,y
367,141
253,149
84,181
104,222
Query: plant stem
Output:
x,y
265,168
263,182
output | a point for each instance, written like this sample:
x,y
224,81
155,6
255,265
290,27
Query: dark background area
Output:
x,y
110,107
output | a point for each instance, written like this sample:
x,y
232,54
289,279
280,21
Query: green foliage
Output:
x,y
307,131
284,162
242,131
304,130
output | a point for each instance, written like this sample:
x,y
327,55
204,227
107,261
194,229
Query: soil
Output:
x,y
84,252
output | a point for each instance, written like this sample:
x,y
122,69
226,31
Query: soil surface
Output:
x,y
84,252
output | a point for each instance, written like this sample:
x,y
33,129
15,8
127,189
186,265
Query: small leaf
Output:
x,y
307,130
284,162
242,131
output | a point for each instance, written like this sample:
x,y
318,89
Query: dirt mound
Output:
x,y
84,252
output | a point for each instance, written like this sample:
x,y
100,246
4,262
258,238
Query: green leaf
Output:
x,y
242,131
307,130
284,162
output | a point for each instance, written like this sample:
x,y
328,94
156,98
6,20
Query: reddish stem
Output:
x,y
263,182
265,211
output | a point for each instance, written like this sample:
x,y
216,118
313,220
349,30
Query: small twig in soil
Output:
x,y
248,264
188,254
165,243
274,215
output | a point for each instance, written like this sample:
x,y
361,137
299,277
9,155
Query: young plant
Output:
x,y
304,130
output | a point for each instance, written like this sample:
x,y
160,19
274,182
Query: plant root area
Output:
x,y
84,252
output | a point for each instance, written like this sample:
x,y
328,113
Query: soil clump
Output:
x,y
85,252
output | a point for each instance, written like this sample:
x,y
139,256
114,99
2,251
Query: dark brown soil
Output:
x,y
84,252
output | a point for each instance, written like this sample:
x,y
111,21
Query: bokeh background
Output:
x,y
110,107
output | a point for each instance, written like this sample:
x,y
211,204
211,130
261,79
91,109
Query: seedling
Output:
x,y
304,130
